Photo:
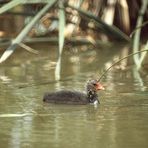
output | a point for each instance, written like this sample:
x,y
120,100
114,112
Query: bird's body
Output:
x,y
66,97
75,97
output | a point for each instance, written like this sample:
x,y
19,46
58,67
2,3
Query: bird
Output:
x,y
90,95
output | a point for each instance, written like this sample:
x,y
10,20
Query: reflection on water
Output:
x,y
119,121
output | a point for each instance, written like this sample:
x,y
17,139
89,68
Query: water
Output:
x,y
119,121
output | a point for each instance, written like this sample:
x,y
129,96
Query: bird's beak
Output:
x,y
100,87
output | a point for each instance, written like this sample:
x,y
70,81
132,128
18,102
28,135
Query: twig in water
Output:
x,y
104,73
28,48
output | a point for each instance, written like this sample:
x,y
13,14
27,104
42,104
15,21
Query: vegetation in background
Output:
x,y
84,21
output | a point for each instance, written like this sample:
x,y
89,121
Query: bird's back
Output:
x,y
66,97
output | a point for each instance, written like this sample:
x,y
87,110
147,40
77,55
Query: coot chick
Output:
x,y
75,97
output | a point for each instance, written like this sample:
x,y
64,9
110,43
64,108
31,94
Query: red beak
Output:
x,y
99,87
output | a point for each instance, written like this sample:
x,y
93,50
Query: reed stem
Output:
x,y
104,73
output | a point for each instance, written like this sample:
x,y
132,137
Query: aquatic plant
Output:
x,y
76,18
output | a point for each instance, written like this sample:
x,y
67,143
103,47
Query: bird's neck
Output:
x,y
92,96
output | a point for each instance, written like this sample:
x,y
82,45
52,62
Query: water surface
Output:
x,y
119,121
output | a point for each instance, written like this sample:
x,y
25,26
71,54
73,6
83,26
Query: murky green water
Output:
x,y
120,121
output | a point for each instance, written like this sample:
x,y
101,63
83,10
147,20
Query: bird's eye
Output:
x,y
94,84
